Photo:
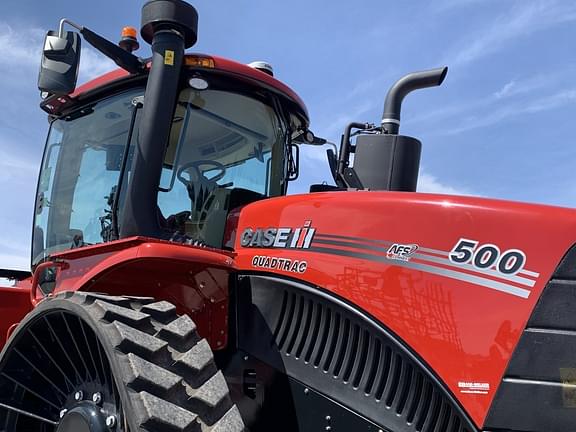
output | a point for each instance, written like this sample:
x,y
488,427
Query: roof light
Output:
x,y
129,39
129,32
262,67
198,83
199,61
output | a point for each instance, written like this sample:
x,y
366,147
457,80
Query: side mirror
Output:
x,y
60,61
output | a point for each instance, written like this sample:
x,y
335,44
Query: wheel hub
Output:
x,y
83,418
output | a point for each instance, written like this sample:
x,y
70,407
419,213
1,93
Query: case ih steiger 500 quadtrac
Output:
x,y
175,288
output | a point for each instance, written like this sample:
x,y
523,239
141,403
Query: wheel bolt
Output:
x,y
63,413
97,398
111,421
78,395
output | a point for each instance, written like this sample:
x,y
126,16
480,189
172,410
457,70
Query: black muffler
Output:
x,y
386,160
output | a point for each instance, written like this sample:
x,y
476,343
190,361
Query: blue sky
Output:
x,y
502,125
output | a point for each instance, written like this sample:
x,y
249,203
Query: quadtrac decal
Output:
x,y
277,263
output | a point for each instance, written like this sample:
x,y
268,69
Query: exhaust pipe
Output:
x,y
397,93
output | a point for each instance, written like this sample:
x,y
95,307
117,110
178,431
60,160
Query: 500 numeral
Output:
x,y
486,256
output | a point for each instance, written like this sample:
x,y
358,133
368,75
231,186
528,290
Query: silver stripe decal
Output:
x,y
477,280
420,249
489,272
529,273
434,259
390,120
540,382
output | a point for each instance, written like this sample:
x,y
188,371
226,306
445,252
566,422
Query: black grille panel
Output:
x,y
335,351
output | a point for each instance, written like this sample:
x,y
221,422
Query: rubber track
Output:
x,y
169,371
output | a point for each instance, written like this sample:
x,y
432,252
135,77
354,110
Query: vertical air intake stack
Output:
x,y
385,160
170,26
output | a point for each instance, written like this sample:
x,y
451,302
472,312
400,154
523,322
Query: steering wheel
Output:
x,y
196,176
200,188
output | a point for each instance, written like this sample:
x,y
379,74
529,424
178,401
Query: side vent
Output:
x,y
326,346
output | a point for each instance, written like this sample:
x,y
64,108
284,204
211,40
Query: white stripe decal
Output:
x,y
465,277
355,242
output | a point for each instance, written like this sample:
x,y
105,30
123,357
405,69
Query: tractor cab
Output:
x,y
168,147
229,142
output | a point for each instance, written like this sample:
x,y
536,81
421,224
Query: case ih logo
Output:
x,y
289,238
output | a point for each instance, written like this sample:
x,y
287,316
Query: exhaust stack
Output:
x,y
170,26
404,86
384,159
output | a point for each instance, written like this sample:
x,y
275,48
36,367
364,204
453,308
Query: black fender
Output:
x,y
335,349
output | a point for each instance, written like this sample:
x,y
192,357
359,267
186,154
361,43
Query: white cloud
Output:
x,y
447,5
523,19
429,183
510,111
93,64
506,90
22,50
546,91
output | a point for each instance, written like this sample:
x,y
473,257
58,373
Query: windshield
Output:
x,y
80,173
225,151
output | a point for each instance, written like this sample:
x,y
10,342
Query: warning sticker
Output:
x,y
568,377
169,57
474,387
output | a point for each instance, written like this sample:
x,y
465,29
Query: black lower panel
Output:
x,y
316,412
533,407
272,401
334,351
538,392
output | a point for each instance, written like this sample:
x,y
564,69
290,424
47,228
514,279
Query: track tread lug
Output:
x,y
181,328
160,413
134,340
160,310
230,422
117,300
213,391
196,358
113,312
141,373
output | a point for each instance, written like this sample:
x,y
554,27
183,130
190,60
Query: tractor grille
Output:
x,y
327,347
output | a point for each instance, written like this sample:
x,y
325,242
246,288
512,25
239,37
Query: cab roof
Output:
x,y
56,105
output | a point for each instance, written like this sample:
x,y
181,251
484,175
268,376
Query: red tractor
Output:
x,y
176,288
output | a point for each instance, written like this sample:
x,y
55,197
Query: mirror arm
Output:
x,y
122,58
70,23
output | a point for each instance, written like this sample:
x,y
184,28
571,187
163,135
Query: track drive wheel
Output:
x,y
84,362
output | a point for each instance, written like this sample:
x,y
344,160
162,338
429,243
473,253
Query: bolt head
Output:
x,y
63,413
97,398
110,421
78,396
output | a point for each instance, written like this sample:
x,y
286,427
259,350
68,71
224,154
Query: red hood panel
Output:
x,y
389,253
